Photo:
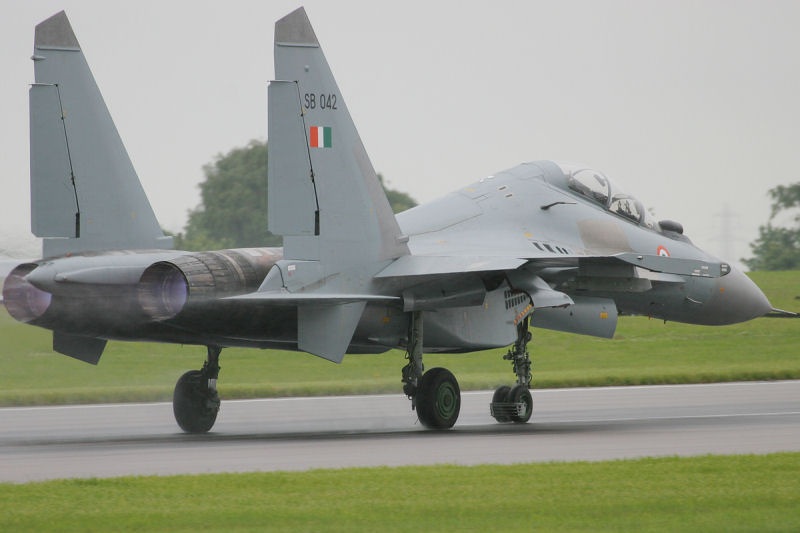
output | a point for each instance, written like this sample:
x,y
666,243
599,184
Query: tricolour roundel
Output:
x,y
663,252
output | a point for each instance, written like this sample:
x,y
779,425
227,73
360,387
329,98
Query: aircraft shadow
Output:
x,y
416,432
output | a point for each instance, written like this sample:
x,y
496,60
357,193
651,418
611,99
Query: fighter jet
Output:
x,y
544,244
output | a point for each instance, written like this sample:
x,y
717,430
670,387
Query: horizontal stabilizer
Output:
x,y
284,297
326,330
86,349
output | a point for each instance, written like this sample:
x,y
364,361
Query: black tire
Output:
x,y
438,399
190,403
501,396
518,394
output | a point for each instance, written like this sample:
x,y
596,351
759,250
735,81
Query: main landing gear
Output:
x,y
434,394
195,401
515,404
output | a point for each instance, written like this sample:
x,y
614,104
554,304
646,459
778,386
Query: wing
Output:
x,y
562,288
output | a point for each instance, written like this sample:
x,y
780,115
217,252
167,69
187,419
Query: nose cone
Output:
x,y
737,299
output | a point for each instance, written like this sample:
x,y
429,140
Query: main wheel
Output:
x,y
501,396
521,394
438,399
195,407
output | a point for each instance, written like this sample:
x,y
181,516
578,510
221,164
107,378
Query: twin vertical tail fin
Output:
x,y
85,194
324,195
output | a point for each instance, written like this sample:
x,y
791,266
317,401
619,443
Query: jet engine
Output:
x,y
168,287
23,301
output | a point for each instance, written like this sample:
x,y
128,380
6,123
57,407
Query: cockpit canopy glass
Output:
x,y
650,220
595,186
626,206
591,184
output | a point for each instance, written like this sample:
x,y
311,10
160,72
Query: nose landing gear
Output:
x,y
515,404
195,401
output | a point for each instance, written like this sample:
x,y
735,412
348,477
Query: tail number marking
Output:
x,y
321,100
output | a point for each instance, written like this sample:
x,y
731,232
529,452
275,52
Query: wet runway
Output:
x,y
300,433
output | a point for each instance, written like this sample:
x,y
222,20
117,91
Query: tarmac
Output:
x,y
82,441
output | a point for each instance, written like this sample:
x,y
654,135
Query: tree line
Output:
x,y
778,247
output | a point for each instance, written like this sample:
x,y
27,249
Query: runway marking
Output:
x,y
670,386
600,420
374,396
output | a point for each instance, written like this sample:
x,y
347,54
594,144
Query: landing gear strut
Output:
x,y
434,394
515,404
195,401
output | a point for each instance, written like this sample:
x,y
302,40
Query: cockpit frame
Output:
x,y
596,187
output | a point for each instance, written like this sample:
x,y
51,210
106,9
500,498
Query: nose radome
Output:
x,y
739,299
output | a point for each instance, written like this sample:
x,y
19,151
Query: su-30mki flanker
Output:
x,y
543,244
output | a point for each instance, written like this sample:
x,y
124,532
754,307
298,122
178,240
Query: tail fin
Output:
x,y
325,197
85,195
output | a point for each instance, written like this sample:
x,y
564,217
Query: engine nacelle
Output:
x,y
23,301
168,287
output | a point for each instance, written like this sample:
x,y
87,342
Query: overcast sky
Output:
x,y
691,105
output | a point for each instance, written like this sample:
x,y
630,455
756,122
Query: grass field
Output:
x,y
643,352
710,493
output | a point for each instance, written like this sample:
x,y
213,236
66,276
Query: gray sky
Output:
x,y
691,105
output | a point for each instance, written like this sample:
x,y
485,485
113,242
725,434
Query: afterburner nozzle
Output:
x,y
163,291
24,301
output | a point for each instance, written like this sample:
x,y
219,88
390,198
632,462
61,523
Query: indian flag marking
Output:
x,y
320,137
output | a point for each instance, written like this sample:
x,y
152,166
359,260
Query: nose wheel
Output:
x,y
515,404
195,401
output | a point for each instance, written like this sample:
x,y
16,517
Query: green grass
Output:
x,y
710,493
643,352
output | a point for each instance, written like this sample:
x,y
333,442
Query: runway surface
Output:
x,y
39,443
